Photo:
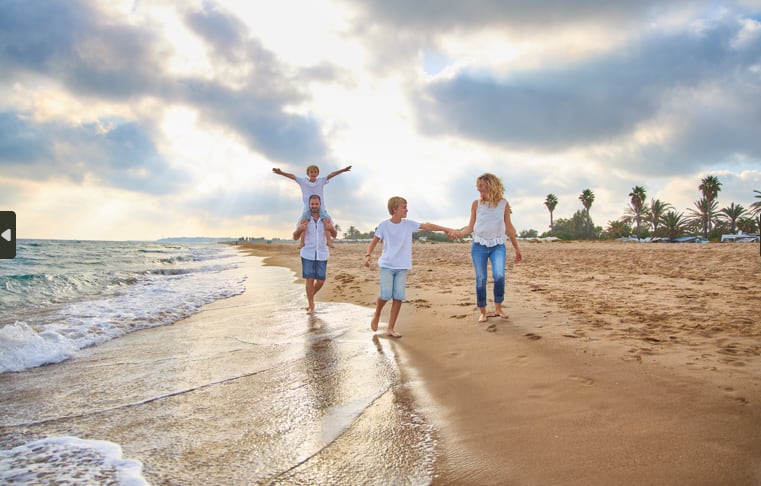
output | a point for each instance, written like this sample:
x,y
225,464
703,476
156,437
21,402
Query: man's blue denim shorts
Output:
x,y
316,269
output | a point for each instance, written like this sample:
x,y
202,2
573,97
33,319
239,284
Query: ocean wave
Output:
x,y
47,317
69,460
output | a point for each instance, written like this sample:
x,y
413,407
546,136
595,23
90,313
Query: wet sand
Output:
x,y
621,363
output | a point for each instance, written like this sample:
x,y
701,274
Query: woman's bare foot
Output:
x,y
498,312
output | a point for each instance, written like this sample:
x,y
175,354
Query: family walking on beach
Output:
x,y
490,226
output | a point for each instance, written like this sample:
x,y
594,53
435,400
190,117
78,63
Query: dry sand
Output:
x,y
621,363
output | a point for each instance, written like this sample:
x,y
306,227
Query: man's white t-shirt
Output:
x,y
397,243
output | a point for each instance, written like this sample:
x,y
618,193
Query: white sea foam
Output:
x,y
69,460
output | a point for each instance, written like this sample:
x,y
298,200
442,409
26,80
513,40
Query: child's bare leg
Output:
x,y
376,318
328,229
301,241
396,306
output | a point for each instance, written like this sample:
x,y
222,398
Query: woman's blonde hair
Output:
x,y
495,190
394,203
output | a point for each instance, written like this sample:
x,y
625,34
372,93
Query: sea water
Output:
x,y
57,297
249,390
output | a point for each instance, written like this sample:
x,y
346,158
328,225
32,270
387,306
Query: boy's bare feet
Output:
x,y
374,322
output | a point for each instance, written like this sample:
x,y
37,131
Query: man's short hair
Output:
x,y
315,196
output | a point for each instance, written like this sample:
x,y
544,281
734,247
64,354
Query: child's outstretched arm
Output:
x,y
337,172
435,227
283,173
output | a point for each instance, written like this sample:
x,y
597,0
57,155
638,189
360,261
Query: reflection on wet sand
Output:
x,y
250,391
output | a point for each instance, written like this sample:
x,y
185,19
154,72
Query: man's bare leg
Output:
x,y
376,318
396,306
310,286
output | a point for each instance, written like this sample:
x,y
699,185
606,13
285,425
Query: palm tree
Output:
x,y
551,202
674,223
709,187
655,215
732,213
637,205
756,206
587,197
703,214
747,225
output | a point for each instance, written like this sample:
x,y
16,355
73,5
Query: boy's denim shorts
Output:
x,y
393,283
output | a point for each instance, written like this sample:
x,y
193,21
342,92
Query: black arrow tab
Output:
x,y
7,234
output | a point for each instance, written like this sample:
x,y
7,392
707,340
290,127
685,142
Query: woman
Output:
x,y
489,222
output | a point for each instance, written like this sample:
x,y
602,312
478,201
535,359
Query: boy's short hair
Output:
x,y
394,203
313,167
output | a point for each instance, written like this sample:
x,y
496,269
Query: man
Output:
x,y
314,253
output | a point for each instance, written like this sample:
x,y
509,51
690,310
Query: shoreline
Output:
x,y
620,362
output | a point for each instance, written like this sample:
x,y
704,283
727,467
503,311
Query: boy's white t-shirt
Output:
x,y
397,243
309,188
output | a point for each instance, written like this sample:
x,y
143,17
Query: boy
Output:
x,y
395,259
310,185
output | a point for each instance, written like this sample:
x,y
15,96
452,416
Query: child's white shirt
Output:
x,y
397,243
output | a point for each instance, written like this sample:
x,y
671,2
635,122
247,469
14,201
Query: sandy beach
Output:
x,y
621,363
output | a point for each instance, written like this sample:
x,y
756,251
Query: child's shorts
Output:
x,y
393,283
306,214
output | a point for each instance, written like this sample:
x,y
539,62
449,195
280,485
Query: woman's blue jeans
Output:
x,y
496,255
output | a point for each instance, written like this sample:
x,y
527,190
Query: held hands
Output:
x,y
367,261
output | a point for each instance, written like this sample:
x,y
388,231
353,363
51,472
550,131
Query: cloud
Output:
x,y
602,99
115,152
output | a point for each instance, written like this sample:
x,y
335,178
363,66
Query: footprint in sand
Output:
x,y
582,379
533,336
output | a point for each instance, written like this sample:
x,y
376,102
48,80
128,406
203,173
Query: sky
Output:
x,y
139,120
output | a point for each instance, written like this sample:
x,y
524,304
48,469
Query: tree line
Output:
x,y
658,218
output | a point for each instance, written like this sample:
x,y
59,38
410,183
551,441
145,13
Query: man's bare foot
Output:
x,y
374,323
482,318
392,333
